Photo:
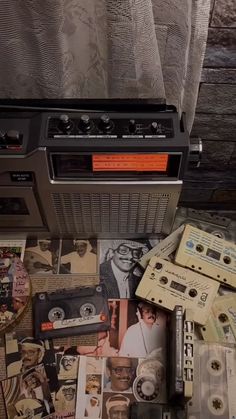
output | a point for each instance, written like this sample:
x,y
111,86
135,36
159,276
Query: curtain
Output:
x,y
104,49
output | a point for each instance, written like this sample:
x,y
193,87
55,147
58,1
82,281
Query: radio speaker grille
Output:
x,y
125,213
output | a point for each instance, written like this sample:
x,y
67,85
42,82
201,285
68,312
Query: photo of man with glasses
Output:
x,y
117,268
120,373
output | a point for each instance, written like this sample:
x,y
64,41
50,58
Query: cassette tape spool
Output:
x,y
214,383
207,254
219,226
147,388
168,285
71,312
221,324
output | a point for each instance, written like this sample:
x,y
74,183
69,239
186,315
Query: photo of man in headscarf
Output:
x,y
81,258
41,256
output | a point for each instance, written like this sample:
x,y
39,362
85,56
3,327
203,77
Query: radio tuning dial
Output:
x,y
132,126
65,123
85,124
105,122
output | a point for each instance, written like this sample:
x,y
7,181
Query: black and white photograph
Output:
x,y
25,352
117,405
67,366
93,407
41,256
79,256
93,384
28,394
118,266
65,399
120,373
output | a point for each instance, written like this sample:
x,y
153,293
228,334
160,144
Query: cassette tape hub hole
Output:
x,y
158,266
227,260
87,310
223,318
216,365
199,248
163,280
56,313
193,292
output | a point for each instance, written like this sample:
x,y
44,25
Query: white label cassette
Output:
x,y
168,285
221,324
207,254
214,382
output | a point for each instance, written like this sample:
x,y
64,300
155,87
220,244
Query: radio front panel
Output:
x,y
118,176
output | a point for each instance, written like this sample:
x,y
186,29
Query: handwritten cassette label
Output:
x,y
168,285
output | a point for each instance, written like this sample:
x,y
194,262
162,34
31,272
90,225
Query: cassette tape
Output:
x,y
139,410
168,285
71,312
181,355
214,382
219,226
164,249
221,324
207,254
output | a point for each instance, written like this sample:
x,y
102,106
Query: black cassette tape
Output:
x,y
156,411
71,312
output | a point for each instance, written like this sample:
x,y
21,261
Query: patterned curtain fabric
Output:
x,y
103,48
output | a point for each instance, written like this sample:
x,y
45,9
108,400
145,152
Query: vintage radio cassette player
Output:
x,y
91,167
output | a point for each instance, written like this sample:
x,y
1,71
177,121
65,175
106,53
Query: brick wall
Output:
x,y
213,185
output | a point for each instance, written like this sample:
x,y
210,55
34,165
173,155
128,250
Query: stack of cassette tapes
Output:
x,y
195,268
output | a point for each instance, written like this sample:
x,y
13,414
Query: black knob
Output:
x,y
154,127
85,123
105,122
13,138
65,123
132,126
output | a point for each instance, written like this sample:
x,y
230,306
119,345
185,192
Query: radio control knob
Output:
x,y
105,122
85,124
13,137
65,123
154,127
132,126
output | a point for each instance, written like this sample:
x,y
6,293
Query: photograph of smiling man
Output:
x,y
118,259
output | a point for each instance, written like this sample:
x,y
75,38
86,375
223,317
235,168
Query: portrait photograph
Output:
x,y
116,405
26,352
93,407
137,329
67,365
65,399
41,256
79,256
119,269
28,394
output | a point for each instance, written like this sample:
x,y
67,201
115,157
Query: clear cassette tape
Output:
x,y
71,312
214,382
219,226
168,285
207,254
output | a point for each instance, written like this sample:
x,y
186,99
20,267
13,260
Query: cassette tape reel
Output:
x,y
214,384
221,324
168,285
66,313
210,255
